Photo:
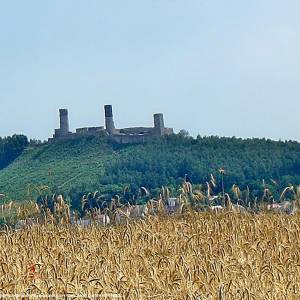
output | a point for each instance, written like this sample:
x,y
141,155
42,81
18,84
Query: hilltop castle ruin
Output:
x,y
133,135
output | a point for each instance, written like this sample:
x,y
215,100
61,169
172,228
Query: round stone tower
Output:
x,y
64,121
109,119
159,125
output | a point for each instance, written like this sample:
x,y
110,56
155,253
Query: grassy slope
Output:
x,y
60,165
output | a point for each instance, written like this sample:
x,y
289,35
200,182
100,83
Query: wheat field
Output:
x,y
192,256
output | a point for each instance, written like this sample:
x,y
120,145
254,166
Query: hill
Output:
x,y
93,163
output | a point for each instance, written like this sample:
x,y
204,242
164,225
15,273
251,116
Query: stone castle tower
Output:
x,y
63,129
124,136
109,119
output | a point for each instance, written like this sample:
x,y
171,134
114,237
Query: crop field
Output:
x,y
190,256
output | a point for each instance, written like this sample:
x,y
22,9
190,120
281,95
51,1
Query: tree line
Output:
x,y
11,147
249,163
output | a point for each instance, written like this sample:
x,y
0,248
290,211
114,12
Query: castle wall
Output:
x,y
132,135
89,130
169,131
77,134
137,130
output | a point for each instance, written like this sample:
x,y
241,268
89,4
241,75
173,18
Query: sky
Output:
x,y
227,68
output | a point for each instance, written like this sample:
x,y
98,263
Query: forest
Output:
x,y
247,162
10,148
88,164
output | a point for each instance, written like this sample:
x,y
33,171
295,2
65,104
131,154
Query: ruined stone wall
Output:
x,y
169,131
75,135
89,130
132,135
137,130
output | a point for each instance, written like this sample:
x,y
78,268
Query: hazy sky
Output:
x,y
212,67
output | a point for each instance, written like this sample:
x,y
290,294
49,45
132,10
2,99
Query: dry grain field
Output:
x,y
191,256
